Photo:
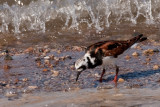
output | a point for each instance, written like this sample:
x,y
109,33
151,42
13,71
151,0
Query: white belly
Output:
x,y
109,60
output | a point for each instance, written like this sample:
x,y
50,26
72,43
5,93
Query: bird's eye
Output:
x,y
83,59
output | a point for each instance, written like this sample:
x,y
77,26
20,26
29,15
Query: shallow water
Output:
x,y
89,97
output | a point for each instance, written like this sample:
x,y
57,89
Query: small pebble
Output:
x,y
148,52
38,63
3,53
43,54
32,87
120,80
59,51
97,75
25,79
6,67
46,57
74,89
7,86
135,54
51,57
45,70
46,61
155,67
46,46
77,48
56,58
148,59
55,73
62,58
111,72
46,50
10,94
138,47
127,57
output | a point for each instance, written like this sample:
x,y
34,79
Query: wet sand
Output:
x,y
45,76
89,97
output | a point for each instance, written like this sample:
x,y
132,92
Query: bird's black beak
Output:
x,y
82,68
78,73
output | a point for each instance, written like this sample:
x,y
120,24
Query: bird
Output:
x,y
105,53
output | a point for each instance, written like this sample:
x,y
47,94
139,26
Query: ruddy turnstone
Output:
x,y
105,53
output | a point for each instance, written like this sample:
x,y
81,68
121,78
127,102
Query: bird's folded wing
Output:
x,y
114,48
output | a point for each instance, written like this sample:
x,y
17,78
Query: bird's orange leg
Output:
x,y
117,70
103,72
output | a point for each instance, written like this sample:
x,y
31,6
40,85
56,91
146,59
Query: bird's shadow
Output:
x,y
134,75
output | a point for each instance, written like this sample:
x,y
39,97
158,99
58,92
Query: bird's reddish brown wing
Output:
x,y
114,48
109,48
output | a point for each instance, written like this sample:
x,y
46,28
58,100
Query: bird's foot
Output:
x,y
100,80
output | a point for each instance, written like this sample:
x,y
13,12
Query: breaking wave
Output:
x,y
22,16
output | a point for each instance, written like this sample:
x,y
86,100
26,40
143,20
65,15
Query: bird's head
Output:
x,y
84,63
81,64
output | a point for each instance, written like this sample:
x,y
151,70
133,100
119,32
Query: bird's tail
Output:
x,y
135,40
